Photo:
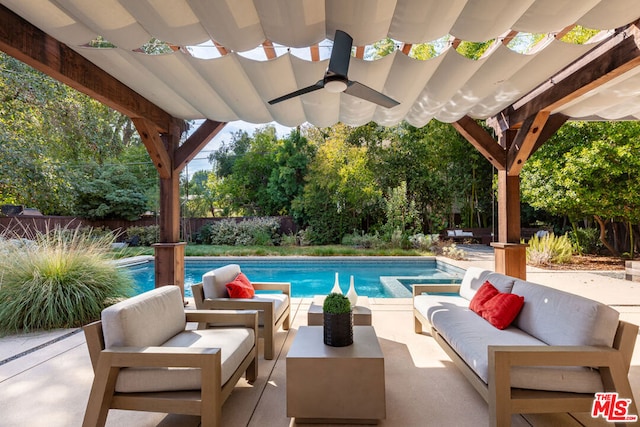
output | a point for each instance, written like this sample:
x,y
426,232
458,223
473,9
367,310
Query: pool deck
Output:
x,y
45,377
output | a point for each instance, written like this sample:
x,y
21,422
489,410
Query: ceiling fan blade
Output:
x,y
340,54
365,92
317,86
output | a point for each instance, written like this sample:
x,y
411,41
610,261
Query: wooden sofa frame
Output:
x,y
207,402
271,323
503,400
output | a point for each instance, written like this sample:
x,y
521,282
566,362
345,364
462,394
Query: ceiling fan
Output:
x,y
335,78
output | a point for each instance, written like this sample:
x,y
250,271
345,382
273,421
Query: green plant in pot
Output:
x,y
338,320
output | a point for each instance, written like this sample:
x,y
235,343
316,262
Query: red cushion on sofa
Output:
x,y
240,288
502,309
483,294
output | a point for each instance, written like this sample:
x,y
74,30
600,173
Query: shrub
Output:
x,y
288,240
453,252
362,240
63,279
422,242
549,249
145,236
585,240
336,303
248,232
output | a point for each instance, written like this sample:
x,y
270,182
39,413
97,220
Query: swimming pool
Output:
x,y
382,277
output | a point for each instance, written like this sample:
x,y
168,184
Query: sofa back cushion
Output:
x,y
475,277
214,282
560,318
148,319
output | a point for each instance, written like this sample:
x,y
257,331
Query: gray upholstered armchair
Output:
x,y
274,308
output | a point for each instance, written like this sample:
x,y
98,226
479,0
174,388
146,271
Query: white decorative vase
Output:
x,y
351,294
336,286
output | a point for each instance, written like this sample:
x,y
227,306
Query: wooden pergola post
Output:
x,y
170,158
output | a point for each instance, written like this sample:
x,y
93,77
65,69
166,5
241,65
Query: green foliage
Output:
x,y
549,249
585,240
146,236
400,211
61,279
47,131
336,303
363,240
473,50
579,35
110,192
587,170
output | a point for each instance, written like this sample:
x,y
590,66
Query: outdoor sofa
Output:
x,y
146,357
558,352
274,306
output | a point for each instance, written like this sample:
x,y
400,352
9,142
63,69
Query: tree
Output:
x,y
48,131
110,192
588,170
341,193
287,179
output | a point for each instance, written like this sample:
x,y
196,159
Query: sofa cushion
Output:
x,y
429,305
470,335
475,277
214,281
148,319
234,342
560,318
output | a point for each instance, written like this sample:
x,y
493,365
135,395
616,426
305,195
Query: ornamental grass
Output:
x,y
61,278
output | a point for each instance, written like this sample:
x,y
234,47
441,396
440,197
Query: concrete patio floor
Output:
x,y
45,378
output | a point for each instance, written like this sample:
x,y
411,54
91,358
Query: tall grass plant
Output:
x,y
58,279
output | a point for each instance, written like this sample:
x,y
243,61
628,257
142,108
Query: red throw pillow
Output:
x,y
502,309
240,288
483,294
244,279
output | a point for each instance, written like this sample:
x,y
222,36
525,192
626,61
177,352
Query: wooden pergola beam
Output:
x,y
315,52
154,145
612,58
269,49
34,47
482,141
525,140
195,143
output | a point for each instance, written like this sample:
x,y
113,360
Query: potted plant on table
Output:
x,y
338,320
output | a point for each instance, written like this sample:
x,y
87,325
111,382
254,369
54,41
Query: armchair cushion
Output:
x,y
234,342
214,281
161,311
281,302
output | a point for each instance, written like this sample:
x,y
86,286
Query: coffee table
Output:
x,y
334,385
361,312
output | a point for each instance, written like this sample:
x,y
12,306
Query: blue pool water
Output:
x,y
315,276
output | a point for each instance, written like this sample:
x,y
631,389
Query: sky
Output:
x,y
201,162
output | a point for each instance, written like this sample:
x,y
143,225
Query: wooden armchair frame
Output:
x,y
271,323
207,402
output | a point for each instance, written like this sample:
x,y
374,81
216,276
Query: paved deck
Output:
x,y
45,377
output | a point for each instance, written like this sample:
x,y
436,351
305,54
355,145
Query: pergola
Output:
x,y
524,97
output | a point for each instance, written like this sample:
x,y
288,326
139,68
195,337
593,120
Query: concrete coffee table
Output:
x,y
361,312
335,384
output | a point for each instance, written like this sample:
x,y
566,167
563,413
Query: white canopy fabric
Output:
x,y
233,87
